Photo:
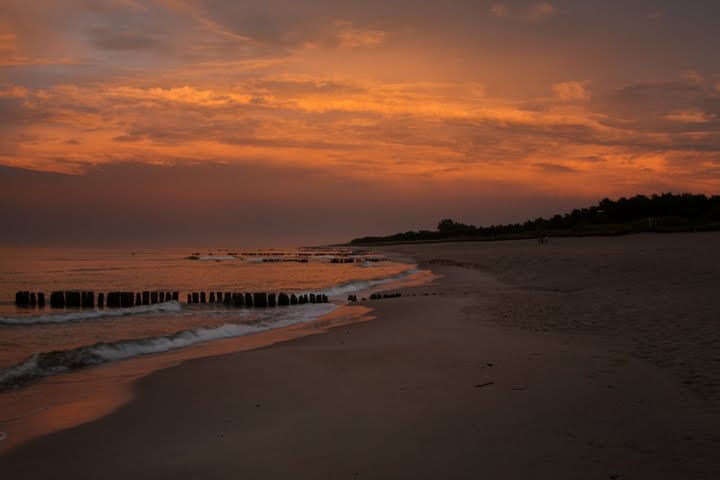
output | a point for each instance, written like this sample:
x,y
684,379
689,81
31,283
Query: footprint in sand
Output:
x,y
3,436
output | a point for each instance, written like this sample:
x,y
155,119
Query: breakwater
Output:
x,y
117,299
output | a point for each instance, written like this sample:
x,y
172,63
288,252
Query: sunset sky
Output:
x,y
284,122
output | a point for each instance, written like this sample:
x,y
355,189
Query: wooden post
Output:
x,y
88,299
126,299
176,296
72,299
283,300
202,297
248,299
293,299
196,297
41,299
101,300
212,297
260,299
272,301
146,297
57,299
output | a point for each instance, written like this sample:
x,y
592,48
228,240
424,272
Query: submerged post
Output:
x,y
283,300
57,299
72,299
88,299
260,299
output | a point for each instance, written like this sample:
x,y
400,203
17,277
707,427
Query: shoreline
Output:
x,y
473,376
88,394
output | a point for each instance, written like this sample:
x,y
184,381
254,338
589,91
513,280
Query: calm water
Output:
x,y
40,342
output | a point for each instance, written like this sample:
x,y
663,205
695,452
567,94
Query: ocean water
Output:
x,y
38,342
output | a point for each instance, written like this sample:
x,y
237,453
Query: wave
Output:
x,y
81,315
216,258
52,363
357,286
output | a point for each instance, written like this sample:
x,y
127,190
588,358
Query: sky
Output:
x,y
299,122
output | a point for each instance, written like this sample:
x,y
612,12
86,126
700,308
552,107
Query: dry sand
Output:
x,y
581,359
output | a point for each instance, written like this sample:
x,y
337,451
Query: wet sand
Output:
x,y
585,358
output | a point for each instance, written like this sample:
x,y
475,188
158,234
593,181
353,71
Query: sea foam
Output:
x,y
357,286
51,363
81,315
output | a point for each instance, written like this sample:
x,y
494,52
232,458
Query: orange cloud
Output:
x,y
690,116
572,91
541,11
499,10
372,99
350,36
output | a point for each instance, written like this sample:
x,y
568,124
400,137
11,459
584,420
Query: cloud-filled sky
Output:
x,y
312,121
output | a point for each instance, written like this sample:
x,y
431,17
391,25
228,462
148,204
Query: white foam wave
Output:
x,y
122,350
358,286
81,315
51,363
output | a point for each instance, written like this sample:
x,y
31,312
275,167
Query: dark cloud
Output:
x,y
671,107
113,39
554,167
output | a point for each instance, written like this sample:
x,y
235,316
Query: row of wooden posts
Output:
x,y
88,299
357,260
257,299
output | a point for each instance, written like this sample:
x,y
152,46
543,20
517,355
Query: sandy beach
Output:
x,y
593,358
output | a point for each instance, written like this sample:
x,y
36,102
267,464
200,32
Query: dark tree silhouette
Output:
x,y
666,212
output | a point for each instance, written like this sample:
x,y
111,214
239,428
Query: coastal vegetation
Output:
x,y
666,212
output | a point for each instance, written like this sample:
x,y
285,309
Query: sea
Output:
x,y
49,346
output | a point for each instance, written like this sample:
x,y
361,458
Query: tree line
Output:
x,y
666,212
